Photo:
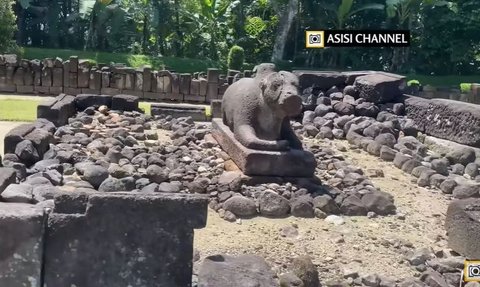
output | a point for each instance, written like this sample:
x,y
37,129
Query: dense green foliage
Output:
x,y
236,56
444,34
7,26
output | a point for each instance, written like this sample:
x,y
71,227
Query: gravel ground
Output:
x,y
376,245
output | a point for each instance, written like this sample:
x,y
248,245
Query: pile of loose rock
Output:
x,y
106,150
381,129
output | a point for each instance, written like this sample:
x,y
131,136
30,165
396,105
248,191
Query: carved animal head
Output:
x,y
281,89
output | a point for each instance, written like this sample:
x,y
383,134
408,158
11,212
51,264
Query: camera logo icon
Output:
x,y
471,271
315,39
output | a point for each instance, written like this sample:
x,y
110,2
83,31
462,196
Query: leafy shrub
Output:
x,y
413,83
465,87
236,57
7,27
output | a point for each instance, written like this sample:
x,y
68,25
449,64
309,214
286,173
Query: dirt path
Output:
x,y
376,245
5,127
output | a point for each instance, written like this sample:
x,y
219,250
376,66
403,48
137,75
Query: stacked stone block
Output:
x,y
75,76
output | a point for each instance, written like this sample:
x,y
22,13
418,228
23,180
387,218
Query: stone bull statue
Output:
x,y
258,110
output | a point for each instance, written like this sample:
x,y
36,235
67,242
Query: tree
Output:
x,y
7,27
236,57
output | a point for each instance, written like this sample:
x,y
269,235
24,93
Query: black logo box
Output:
x,y
349,38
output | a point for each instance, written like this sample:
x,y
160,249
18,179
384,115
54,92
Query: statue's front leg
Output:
x,y
245,134
288,134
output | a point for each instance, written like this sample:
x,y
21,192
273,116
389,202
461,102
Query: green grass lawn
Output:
x,y
444,81
18,110
26,110
181,65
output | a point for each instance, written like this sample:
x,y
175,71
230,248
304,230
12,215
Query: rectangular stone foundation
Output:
x,y
445,119
122,239
293,163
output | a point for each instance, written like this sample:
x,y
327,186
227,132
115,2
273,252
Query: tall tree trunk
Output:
x,y
283,30
177,43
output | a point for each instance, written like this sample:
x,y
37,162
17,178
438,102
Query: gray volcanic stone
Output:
x,y
471,169
326,133
462,191
322,110
379,202
308,117
157,174
350,90
386,139
326,204
240,206
169,187
150,188
458,169
400,159
343,108
311,130
244,270
440,165
462,223
448,185
410,164
95,175
302,206
424,178
387,153
437,179
7,177
21,253
113,184
417,171
21,193
433,278
290,280
27,152
461,155
273,204
353,205
379,87
374,148
367,109
304,269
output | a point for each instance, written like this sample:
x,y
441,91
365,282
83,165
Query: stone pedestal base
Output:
x,y
293,163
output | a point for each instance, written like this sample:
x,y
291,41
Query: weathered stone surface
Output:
x,y
240,206
379,87
462,191
7,177
84,101
179,110
273,204
257,162
57,111
463,227
244,270
21,242
446,119
125,103
322,80
109,231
